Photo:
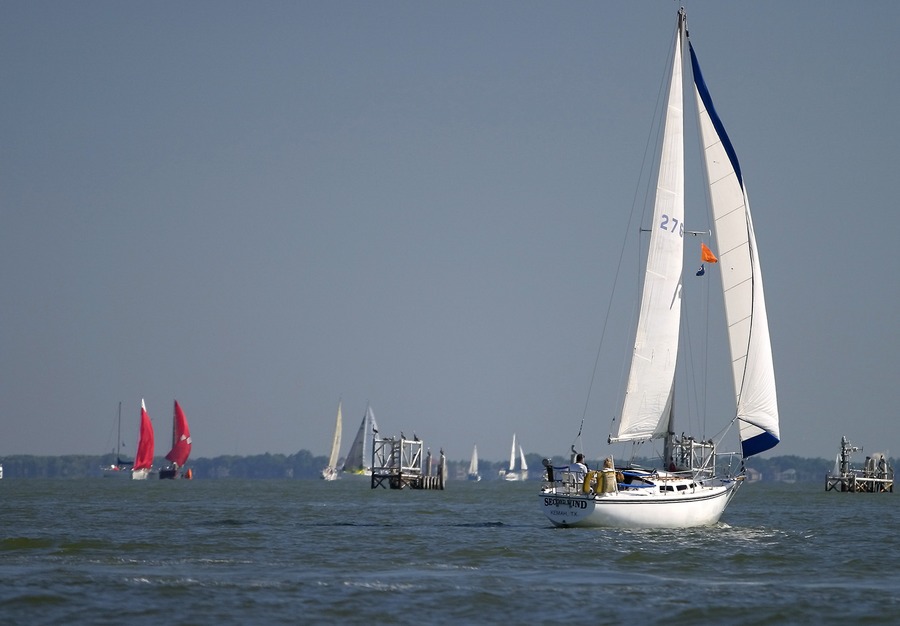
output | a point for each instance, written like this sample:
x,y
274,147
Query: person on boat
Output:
x,y
578,469
609,465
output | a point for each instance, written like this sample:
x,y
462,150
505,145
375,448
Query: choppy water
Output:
x,y
102,551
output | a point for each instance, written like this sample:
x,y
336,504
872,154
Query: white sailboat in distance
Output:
x,y
473,466
332,472
511,473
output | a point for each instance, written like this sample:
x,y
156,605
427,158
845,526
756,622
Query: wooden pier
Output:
x,y
397,463
876,475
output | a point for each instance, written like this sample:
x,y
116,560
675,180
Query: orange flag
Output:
x,y
706,254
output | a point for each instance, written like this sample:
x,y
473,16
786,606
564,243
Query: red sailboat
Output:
x,y
143,459
181,445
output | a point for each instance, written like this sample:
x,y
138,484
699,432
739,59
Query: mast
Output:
x,y
118,449
174,426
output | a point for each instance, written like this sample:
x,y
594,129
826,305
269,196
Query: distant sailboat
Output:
x,y
143,460
359,458
511,474
181,444
473,465
122,467
332,472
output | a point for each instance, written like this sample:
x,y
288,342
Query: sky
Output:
x,y
261,209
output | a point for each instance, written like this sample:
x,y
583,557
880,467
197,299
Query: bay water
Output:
x,y
106,551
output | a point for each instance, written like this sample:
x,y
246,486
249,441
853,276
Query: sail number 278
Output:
x,y
672,224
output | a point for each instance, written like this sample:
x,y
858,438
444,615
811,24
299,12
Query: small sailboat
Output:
x,y
122,467
359,458
143,459
181,445
696,480
332,472
511,473
473,466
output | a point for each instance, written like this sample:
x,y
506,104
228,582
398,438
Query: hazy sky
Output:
x,y
260,208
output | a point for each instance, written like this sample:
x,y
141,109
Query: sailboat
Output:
x,y
122,467
511,474
473,466
332,472
143,459
696,480
181,445
359,458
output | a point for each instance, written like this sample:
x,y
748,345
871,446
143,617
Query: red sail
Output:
x,y
144,457
181,438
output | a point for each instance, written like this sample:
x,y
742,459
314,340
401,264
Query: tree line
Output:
x,y
305,465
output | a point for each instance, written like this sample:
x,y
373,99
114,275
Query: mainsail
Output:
x,y
512,455
143,459
181,438
648,395
336,442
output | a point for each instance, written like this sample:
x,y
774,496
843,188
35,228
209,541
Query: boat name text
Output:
x,y
576,504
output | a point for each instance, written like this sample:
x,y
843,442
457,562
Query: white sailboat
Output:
x,y
692,489
473,466
359,458
511,473
332,472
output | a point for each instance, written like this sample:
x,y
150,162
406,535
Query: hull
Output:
x,y
141,474
330,473
168,473
701,506
116,472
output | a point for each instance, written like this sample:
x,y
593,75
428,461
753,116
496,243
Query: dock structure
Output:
x,y
397,463
875,476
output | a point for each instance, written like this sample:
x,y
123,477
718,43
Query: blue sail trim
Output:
x,y
714,116
759,443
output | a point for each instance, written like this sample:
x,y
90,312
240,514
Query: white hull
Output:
x,y
330,473
141,474
701,505
116,472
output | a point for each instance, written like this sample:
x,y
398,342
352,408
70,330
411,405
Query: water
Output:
x,y
103,551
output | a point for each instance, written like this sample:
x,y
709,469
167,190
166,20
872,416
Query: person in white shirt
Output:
x,y
578,469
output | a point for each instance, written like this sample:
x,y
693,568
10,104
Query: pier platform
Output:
x,y
875,476
398,463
